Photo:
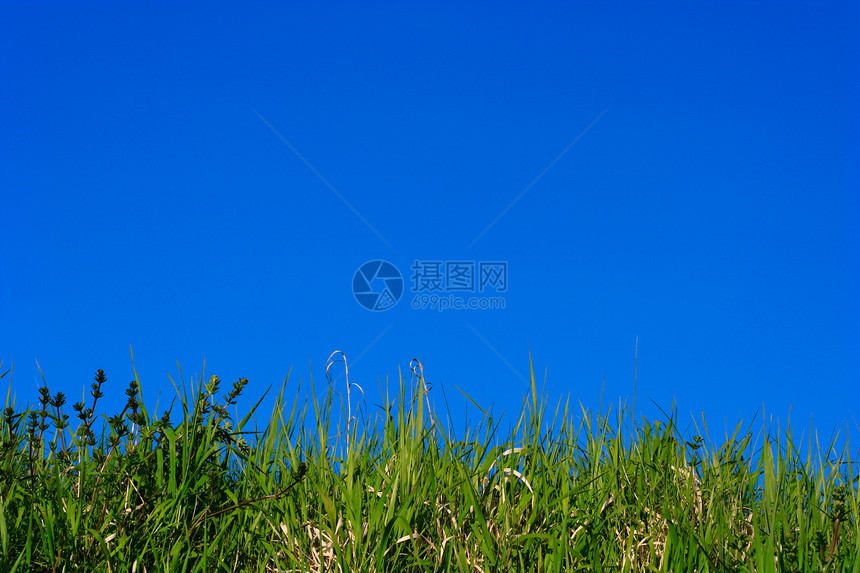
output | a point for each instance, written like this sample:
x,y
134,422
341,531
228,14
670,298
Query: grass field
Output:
x,y
566,490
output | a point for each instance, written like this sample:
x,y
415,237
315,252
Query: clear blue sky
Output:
x,y
708,205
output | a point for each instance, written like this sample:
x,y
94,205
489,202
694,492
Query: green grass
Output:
x,y
564,490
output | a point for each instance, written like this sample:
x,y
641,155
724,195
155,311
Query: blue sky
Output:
x,y
204,181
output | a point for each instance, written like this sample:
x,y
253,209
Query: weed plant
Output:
x,y
577,492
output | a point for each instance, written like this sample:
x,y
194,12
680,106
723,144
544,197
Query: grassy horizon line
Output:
x,y
569,492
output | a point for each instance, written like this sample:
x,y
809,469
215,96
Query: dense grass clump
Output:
x,y
137,492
